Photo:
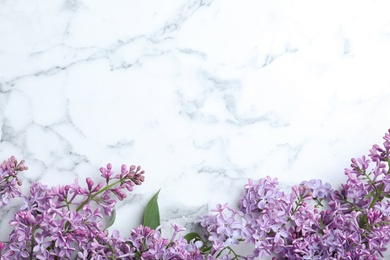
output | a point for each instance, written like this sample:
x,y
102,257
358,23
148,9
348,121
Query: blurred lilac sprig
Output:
x,y
312,221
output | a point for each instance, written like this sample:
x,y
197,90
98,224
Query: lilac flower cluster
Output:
x,y
65,222
149,244
9,181
313,221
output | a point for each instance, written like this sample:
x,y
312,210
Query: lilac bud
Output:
x,y
124,169
130,175
98,187
89,183
80,232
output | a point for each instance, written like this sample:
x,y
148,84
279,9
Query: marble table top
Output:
x,y
203,94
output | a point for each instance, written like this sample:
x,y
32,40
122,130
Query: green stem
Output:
x,y
112,252
205,249
32,242
89,198
298,203
377,194
370,181
319,202
230,251
97,193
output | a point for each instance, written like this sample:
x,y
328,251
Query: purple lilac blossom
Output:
x,y
9,180
66,221
149,244
313,221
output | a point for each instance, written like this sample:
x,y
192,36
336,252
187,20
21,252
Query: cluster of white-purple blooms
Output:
x,y
311,221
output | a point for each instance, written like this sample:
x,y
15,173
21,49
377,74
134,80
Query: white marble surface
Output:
x,y
203,94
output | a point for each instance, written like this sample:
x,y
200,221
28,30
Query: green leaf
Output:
x,y
112,220
191,236
151,213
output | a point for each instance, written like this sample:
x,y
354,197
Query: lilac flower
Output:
x,y
41,248
318,190
312,221
106,172
65,221
176,230
9,181
180,249
149,244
